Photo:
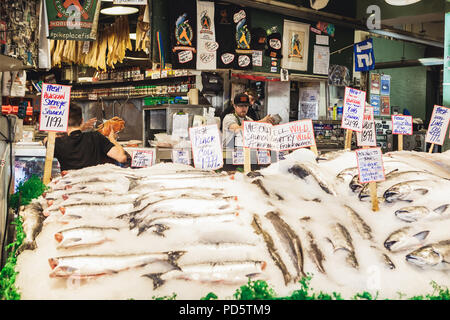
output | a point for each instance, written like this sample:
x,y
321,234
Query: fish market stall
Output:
x,y
118,233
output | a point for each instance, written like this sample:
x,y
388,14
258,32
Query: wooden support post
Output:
x,y
431,148
247,160
314,149
348,139
400,142
374,196
49,157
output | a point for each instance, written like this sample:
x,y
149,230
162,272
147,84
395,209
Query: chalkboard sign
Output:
x,y
353,114
206,147
55,102
438,125
367,137
370,165
402,124
142,158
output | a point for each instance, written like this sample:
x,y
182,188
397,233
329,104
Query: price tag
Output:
x,y
206,147
142,158
181,156
370,165
55,101
353,114
264,157
402,124
293,135
438,125
238,156
257,135
367,138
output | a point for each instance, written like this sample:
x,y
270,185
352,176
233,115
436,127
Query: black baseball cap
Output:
x,y
241,99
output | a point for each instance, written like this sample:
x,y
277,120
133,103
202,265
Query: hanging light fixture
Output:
x,y
401,2
119,10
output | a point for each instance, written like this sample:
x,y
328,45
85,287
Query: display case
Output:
x,y
158,119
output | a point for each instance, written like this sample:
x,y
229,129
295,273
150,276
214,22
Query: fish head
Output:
x,y
425,256
392,194
408,214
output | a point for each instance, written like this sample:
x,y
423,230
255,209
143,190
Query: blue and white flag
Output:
x,y
364,55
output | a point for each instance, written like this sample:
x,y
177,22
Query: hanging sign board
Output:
x,y
55,101
370,165
206,147
367,137
402,125
142,158
438,125
353,114
73,19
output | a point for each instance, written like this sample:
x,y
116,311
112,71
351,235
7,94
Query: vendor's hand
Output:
x,y
88,125
113,136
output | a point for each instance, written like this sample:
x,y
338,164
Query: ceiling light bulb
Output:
x,y
119,10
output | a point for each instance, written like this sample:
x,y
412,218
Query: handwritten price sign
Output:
x,y
181,156
257,135
206,147
353,114
438,125
402,124
142,158
264,157
367,137
370,165
238,156
55,101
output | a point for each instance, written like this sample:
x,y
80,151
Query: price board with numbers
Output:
x,y
55,102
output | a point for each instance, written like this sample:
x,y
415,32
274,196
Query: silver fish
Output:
x,y
227,272
355,185
159,224
96,265
405,239
361,226
304,170
416,213
331,155
256,224
342,240
291,241
392,178
436,255
32,225
347,173
83,210
315,253
83,236
409,190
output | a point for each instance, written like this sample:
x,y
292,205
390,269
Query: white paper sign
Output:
x,y
402,124
206,36
55,102
438,125
206,147
181,156
257,135
257,58
293,135
142,158
367,137
180,125
370,165
321,59
353,114
263,157
238,156
322,40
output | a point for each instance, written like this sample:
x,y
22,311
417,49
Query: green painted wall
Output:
x,y
389,11
408,85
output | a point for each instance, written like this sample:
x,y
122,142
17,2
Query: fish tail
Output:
x,y
156,278
441,209
30,245
173,257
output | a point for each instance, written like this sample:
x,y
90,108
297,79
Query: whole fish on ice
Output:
x,y
405,239
83,236
436,255
416,213
32,225
409,190
342,240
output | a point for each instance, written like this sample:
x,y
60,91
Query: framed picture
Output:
x,y
295,45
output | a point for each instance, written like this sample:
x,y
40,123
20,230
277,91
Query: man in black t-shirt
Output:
x,y
84,149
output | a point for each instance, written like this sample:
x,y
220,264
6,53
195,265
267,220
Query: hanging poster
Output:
x,y
295,45
308,104
180,125
73,19
321,60
438,125
375,103
385,85
385,105
206,34
364,55
223,21
367,137
374,83
183,26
